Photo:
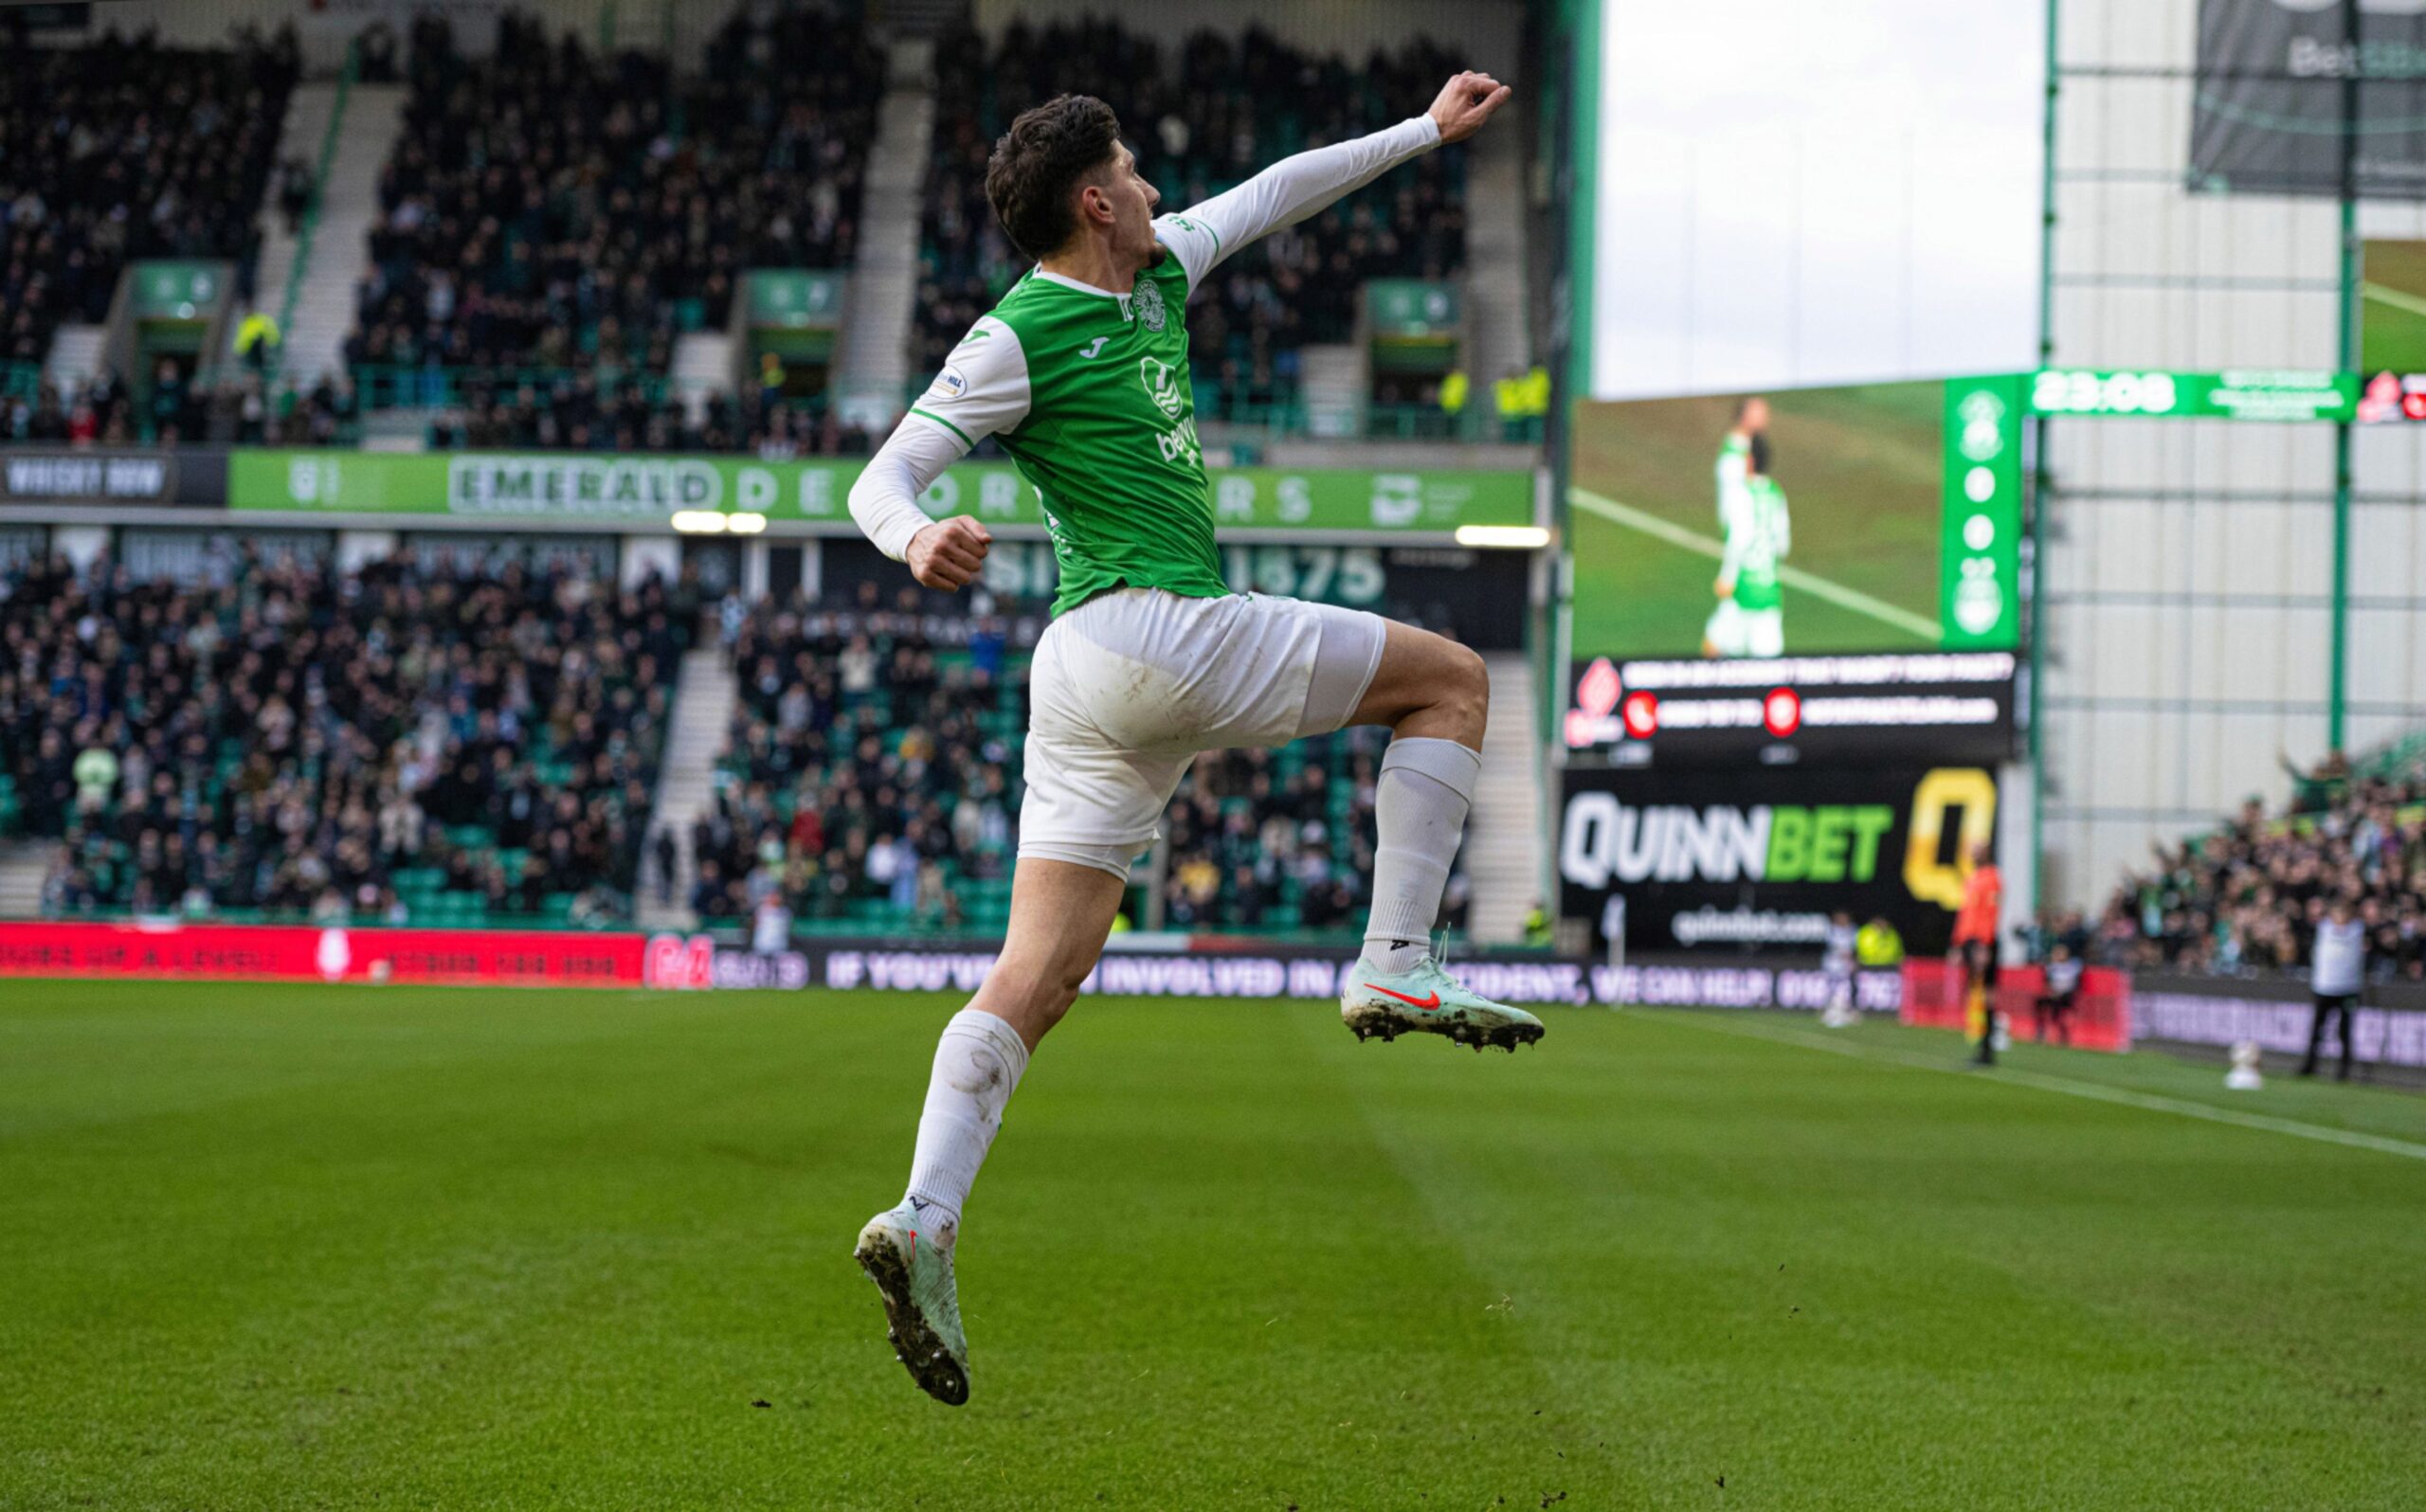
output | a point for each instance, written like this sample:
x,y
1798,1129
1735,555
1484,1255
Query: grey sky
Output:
x,y
1799,193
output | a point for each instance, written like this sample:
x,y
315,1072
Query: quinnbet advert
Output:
x,y
1716,860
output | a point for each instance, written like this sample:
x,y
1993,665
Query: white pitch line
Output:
x,y
2395,298
2094,1092
1793,577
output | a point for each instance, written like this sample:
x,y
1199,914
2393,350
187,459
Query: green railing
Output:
x,y
306,234
1432,423
390,386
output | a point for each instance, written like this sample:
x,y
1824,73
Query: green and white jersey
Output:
x,y
1089,391
1758,535
1734,470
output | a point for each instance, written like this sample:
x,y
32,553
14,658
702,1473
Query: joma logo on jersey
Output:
x,y
1161,386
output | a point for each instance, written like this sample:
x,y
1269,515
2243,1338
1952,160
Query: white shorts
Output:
x,y
1129,686
1734,631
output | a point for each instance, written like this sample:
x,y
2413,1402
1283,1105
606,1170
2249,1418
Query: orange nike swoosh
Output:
x,y
1425,1003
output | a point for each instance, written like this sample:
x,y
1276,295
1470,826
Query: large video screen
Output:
x,y
1879,517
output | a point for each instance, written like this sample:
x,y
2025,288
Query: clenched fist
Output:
x,y
1466,102
949,553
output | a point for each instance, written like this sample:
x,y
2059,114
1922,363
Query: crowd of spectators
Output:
x,y
124,150
575,413
237,408
873,773
285,738
1256,846
2248,897
1200,121
873,761
547,207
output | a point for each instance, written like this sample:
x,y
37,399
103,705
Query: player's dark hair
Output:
x,y
1039,164
1761,453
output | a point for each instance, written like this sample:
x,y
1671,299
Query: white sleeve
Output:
x,y
1287,192
1730,557
981,390
885,499
1734,480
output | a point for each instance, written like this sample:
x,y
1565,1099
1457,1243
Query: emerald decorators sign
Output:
x,y
638,491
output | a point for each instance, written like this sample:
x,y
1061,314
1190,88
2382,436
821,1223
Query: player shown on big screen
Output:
x,y
1081,373
1752,519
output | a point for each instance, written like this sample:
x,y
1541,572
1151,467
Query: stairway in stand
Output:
x,y
1504,831
324,308
686,788
872,364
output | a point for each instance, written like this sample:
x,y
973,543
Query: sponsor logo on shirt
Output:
x,y
1162,385
949,385
1093,346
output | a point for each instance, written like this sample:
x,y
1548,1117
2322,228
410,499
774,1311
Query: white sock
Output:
x,y
978,1062
1420,814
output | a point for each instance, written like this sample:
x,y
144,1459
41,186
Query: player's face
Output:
x,y
1756,416
1132,206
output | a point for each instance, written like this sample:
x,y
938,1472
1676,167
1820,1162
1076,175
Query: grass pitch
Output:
x,y
275,1247
2391,316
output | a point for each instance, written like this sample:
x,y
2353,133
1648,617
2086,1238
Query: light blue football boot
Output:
x,y
921,1302
1428,1001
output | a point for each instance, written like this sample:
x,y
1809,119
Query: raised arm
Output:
x,y
1295,188
982,390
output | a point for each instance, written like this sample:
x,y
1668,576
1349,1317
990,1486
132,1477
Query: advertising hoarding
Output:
x,y
1718,860
599,489
1950,706
2279,79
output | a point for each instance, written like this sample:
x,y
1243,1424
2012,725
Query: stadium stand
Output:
x,y
554,220
126,150
572,412
872,776
2247,897
872,771
1210,116
278,741
234,409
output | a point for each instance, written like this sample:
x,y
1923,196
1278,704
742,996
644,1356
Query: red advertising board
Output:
x,y
2100,1019
251,952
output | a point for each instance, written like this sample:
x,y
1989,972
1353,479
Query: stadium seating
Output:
x,y
572,412
2247,897
872,773
127,149
1200,123
235,408
549,212
872,779
382,745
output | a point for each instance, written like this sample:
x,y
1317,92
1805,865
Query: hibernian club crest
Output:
x,y
1149,295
